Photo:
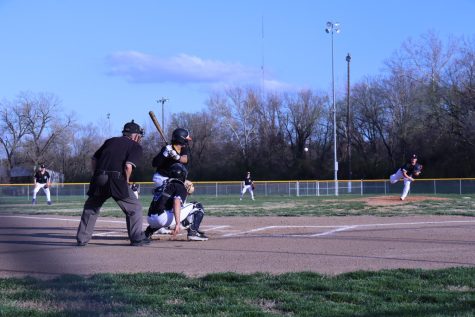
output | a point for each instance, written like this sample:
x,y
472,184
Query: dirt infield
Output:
x,y
45,245
394,200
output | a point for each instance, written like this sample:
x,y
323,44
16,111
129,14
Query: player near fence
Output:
x,y
42,180
407,172
170,209
113,164
247,184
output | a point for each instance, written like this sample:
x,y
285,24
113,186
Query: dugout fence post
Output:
x,y
216,189
435,187
460,186
28,192
265,188
84,191
361,187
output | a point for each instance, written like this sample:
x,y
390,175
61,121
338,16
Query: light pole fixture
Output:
x,y
348,123
162,101
334,27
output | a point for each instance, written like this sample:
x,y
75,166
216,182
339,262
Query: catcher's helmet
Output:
x,y
178,171
132,127
180,136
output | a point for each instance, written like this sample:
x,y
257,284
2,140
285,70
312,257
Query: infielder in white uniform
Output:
x,y
247,184
407,172
42,181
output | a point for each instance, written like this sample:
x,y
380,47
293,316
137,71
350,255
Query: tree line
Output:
x,y
423,102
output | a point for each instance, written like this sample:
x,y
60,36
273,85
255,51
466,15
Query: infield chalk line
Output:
x,y
340,228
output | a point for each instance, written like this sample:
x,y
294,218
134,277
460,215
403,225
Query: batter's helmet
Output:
x,y
180,136
132,127
178,171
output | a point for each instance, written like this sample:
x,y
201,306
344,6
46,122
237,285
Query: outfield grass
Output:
x,y
447,292
272,206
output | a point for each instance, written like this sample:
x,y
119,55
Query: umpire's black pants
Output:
x,y
131,207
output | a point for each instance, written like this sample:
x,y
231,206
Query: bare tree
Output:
x,y
43,124
238,111
13,128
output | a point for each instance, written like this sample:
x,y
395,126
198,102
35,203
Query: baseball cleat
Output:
x,y
140,243
33,202
402,198
49,203
196,236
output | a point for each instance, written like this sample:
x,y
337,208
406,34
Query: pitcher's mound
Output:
x,y
395,200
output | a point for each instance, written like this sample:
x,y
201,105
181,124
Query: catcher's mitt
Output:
x,y
253,187
190,188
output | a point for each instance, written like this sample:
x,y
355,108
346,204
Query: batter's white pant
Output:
x,y
39,186
394,178
158,179
167,218
245,188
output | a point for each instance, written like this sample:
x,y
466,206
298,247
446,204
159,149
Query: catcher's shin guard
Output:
x,y
195,217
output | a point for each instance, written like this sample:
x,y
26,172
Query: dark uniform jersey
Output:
x,y
163,161
410,169
110,159
248,180
174,189
42,178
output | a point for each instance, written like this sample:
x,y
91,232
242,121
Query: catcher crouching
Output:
x,y
169,209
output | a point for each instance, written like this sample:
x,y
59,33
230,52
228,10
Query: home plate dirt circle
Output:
x,y
45,245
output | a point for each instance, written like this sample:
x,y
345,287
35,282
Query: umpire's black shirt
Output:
x,y
111,159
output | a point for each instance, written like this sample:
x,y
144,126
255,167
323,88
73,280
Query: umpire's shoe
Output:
x,y
196,236
140,243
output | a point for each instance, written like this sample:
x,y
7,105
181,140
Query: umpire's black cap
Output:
x,y
413,157
132,127
42,166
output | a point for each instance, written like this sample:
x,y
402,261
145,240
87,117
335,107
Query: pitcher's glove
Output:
x,y
190,188
46,186
418,170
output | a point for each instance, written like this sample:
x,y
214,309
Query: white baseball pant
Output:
x,y
39,186
245,188
167,218
394,178
159,179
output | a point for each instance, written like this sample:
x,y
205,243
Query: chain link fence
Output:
x,y
67,191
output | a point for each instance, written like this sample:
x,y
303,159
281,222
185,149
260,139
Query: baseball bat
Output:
x,y
157,125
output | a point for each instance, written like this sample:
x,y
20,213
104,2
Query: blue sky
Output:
x,y
119,57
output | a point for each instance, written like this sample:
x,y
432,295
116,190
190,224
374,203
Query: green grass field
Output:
x,y
448,292
269,206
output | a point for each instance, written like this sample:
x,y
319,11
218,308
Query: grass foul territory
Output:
x,y
448,292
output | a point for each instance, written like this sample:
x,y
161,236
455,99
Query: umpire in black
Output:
x,y
113,164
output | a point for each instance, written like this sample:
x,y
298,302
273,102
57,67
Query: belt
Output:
x,y
109,173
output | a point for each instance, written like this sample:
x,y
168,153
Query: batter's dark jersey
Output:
x,y
410,169
174,189
248,181
42,178
162,163
111,158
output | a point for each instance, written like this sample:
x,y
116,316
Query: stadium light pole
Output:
x,y
334,27
348,125
162,101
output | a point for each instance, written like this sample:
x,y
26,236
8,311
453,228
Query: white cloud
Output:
x,y
143,68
